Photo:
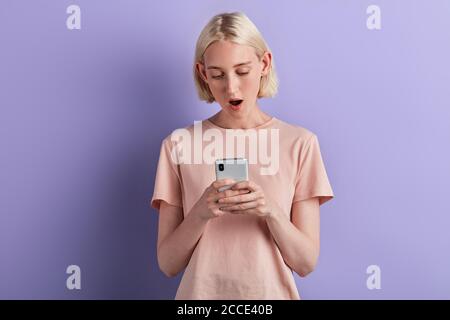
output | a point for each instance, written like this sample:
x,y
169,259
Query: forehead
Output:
x,y
226,54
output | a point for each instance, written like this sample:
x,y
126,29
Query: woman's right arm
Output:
x,y
178,236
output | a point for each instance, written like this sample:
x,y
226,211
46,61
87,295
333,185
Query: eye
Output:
x,y
242,73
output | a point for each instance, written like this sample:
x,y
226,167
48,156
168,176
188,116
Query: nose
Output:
x,y
232,86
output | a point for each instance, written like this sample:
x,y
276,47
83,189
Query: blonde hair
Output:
x,y
238,28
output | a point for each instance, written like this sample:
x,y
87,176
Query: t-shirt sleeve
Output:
x,y
312,180
167,181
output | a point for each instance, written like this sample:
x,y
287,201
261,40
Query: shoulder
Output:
x,y
180,132
294,132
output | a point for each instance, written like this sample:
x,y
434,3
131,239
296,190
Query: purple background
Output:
x,y
83,113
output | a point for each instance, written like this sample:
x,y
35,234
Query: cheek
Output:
x,y
215,87
252,83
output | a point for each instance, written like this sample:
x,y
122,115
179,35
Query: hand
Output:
x,y
207,206
252,202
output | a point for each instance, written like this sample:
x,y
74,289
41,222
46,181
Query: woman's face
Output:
x,y
233,72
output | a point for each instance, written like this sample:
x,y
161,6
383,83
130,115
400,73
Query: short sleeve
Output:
x,y
312,180
167,181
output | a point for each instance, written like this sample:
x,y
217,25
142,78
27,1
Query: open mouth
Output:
x,y
235,104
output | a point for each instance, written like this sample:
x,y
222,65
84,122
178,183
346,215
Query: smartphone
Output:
x,y
231,168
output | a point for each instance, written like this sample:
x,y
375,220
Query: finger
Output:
x,y
218,212
223,182
245,197
241,206
246,185
228,193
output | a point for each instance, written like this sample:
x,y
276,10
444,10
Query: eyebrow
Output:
x,y
237,65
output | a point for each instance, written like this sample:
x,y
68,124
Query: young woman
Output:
x,y
242,243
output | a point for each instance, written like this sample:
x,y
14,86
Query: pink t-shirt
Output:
x,y
236,256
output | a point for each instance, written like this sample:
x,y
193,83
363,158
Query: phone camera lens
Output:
x,y
221,167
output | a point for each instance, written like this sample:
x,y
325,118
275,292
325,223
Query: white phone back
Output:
x,y
234,168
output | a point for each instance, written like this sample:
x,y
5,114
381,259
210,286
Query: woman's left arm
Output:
x,y
299,240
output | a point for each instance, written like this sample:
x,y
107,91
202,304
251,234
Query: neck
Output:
x,y
251,119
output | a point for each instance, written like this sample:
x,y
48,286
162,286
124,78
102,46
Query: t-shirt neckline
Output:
x,y
263,125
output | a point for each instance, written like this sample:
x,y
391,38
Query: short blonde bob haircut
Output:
x,y
238,28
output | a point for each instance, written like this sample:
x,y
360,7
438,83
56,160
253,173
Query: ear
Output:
x,y
201,71
266,61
